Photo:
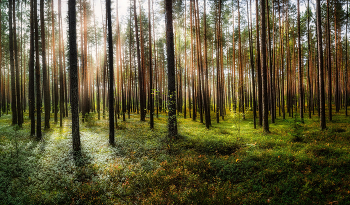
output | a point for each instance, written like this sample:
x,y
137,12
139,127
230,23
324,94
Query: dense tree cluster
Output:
x,y
267,58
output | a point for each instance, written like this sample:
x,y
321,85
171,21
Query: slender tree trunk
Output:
x,y
258,57
139,64
111,73
31,72
301,93
346,59
60,64
18,86
336,82
218,68
45,76
270,79
264,68
241,90
320,63
73,72
2,96
194,109
282,64
252,62
54,67
37,74
12,67
143,107
97,65
104,72
172,124
309,59
206,89
185,78
329,66
150,68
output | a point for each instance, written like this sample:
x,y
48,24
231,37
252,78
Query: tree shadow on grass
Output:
x,y
85,170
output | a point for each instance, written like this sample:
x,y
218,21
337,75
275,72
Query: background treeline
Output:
x,y
223,60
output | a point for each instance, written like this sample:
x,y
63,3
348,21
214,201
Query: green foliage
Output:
x,y
231,163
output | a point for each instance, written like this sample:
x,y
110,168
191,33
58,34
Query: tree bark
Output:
x,y
301,93
60,64
31,72
73,72
258,57
37,75
172,123
252,62
346,60
45,76
142,108
320,64
150,68
111,73
329,66
12,67
19,105
264,68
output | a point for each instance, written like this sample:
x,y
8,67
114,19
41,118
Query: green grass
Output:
x,y
231,163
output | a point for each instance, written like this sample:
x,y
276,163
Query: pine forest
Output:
x,y
174,102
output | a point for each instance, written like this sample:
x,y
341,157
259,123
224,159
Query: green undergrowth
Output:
x,y
230,163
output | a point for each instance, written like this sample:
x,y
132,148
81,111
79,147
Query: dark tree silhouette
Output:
x,y
329,64
172,123
264,68
12,68
111,73
31,72
45,76
37,74
151,111
73,72
18,86
320,66
140,83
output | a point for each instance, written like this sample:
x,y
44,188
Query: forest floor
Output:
x,y
231,163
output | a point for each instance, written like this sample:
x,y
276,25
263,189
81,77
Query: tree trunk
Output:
x,y
37,75
252,61
329,66
309,59
241,90
320,63
60,64
270,82
282,65
111,73
264,68
45,76
172,124
2,96
31,72
206,88
185,78
150,68
258,57
18,86
12,67
301,93
142,108
346,60
73,72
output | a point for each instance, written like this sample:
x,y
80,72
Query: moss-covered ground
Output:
x,y
231,163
